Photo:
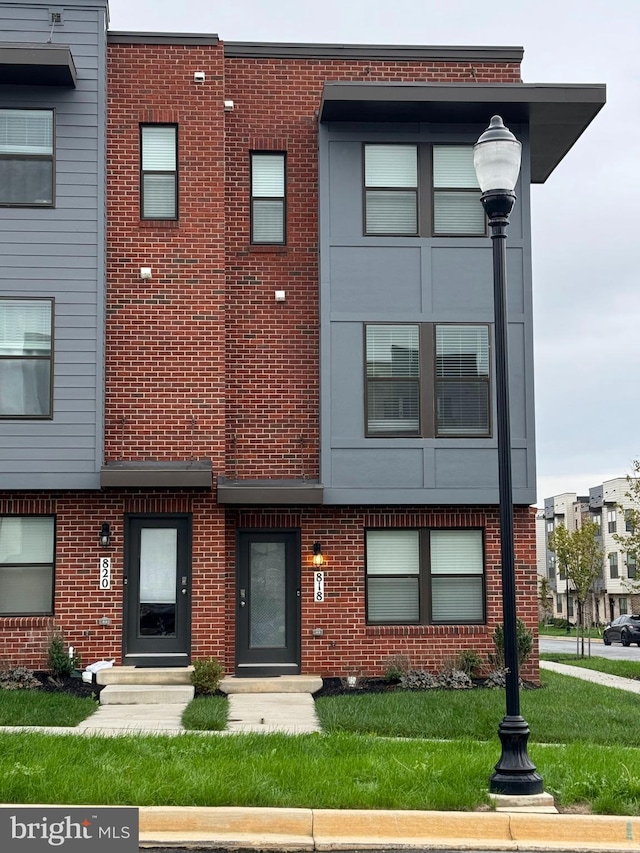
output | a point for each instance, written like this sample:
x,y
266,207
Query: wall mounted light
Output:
x,y
145,273
105,534
228,106
318,558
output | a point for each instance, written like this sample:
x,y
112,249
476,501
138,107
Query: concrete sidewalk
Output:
x,y
593,675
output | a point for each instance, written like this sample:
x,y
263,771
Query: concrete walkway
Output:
x,y
593,675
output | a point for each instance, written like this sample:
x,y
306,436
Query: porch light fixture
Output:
x,y
496,159
105,534
318,559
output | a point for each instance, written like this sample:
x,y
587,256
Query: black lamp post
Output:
x,y
496,158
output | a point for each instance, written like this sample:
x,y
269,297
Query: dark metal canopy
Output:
x,y
37,65
557,114
190,474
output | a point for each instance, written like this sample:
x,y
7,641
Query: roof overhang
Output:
x,y
37,65
192,474
273,492
557,114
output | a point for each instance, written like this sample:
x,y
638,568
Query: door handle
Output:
x,y
243,598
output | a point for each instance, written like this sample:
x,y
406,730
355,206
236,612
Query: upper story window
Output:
x,y
421,190
159,171
629,521
26,358
611,520
632,566
26,565
268,208
427,380
613,565
26,157
425,577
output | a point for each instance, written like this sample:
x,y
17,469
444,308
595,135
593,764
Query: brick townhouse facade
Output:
x,y
245,341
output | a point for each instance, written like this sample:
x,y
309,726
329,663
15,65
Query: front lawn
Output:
x,y
43,708
623,668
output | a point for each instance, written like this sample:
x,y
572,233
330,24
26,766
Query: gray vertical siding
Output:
x,y
59,252
409,280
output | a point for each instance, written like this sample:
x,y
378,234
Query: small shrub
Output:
x,y
497,678
60,663
396,666
206,676
18,678
524,644
469,661
454,679
419,679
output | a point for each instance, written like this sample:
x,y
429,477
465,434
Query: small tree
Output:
x,y
580,558
545,597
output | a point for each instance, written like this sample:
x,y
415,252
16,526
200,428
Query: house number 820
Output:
x,y
105,572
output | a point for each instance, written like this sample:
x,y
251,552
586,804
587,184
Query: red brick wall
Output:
x,y
165,346
348,645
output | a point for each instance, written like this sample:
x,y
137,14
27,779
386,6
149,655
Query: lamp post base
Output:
x,y
515,774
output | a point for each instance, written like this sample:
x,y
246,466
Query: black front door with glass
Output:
x,y
157,599
268,603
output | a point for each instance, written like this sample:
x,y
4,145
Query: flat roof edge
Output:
x,y
163,38
291,50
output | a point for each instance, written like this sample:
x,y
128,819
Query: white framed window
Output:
x,y
611,520
613,565
425,576
26,157
159,171
26,564
26,354
268,197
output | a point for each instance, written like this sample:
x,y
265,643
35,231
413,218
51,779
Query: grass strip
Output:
x,y
36,708
206,713
623,668
338,771
562,711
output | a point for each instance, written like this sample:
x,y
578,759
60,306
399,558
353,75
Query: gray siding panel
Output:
x,y
412,279
59,252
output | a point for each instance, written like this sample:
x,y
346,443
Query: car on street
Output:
x,y
624,629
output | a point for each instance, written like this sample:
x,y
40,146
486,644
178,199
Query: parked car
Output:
x,y
624,629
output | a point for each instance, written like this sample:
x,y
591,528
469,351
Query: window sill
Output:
x,y
261,248
25,621
424,630
160,223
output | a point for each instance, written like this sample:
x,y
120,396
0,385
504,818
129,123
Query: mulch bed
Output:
x,y
72,684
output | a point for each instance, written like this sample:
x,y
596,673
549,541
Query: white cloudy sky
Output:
x,y
585,218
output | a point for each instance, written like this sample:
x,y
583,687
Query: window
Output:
x,y
25,358
613,565
26,565
631,566
421,190
427,380
425,577
611,521
26,157
268,215
629,521
559,604
549,526
159,171
570,613
623,606
596,518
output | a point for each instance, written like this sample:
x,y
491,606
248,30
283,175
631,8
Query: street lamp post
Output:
x,y
496,158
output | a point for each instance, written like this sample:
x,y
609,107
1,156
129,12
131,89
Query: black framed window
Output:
x,y
624,607
159,171
421,189
632,565
26,157
425,576
613,565
26,564
268,197
611,520
629,521
26,355
427,380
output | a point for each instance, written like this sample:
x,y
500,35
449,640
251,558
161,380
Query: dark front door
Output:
x,y
268,604
157,599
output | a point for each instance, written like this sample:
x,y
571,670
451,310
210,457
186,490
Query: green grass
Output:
x,y
206,713
623,668
39,708
552,631
563,711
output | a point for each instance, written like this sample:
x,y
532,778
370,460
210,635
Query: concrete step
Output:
x,y
277,684
145,675
146,694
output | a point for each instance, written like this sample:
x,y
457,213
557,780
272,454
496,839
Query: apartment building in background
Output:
x,y
616,592
247,402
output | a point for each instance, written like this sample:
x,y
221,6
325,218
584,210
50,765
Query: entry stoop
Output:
x,y
274,684
128,685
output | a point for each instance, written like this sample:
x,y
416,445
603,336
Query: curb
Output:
x,y
327,829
